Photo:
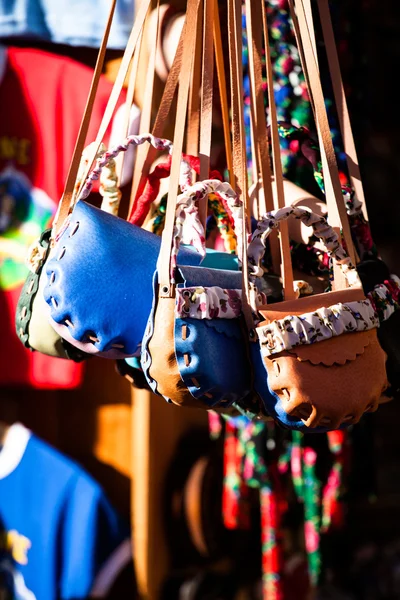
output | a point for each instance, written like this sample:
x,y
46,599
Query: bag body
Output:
x,y
99,282
318,363
200,362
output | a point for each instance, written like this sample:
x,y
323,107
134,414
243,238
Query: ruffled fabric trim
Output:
x,y
208,303
322,324
321,228
385,298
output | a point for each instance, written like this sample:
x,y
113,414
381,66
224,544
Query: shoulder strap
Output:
x,y
65,201
220,65
84,127
145,117
166,289
334,197
238,143
160,120
286,269
341,103
206,100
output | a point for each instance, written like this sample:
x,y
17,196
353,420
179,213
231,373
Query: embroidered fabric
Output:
x,y
385,298
322,324
188,227
321,229
208,303
134,140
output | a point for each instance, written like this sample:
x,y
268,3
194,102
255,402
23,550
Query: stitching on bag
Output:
x,y
23,312
207,395
195,382
75,229
52,277
54,302
121,346
187,359
62,253
184,332
94,340
31,286
69,323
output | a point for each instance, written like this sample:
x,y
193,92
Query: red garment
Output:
x,y
42,99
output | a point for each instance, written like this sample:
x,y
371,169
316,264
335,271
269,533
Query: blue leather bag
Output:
x,y
99,282
190,355
197,362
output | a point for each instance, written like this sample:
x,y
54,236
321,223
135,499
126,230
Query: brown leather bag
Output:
x,y
322,363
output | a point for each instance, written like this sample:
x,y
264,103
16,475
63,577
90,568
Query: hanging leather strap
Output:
x,y
286,264
238,142
254,19
145,117
206,101
193,118
161,117
341,103
130,94
166,290
220,65
84,127
110,108
260,137
334,197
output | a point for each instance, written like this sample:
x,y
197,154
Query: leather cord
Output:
x,y
220,66
259,121
69,188
166,290
161,117
193,118
334,197
130,94
65,201
341,103
279,199
238,143
206,101
145,117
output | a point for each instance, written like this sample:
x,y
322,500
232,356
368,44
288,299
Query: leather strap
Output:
x,y
110,108
166,290
220,65
161,117
334,197
145,117
69,188
130,94
206,101
341,103
259,121
286,264
238,142
193,119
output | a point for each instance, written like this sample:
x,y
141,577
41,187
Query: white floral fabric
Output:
x,y
321,229
208,303
322,324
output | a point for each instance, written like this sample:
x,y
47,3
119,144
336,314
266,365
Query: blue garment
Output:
x,y
58,533
73,22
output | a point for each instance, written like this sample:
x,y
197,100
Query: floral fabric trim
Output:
x,y
322,324
321,229
188,226
385,298
208,303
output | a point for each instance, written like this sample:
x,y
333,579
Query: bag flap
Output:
x,y
189,276
335,351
